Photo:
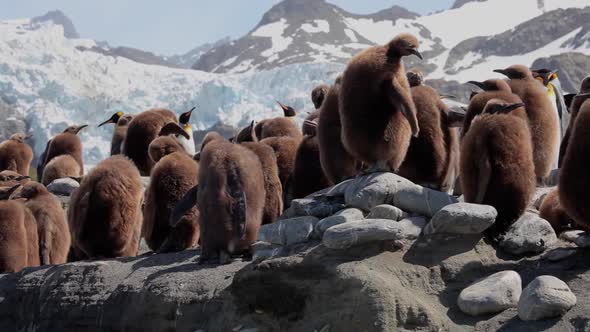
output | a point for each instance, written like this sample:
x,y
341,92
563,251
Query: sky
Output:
x,y
176,26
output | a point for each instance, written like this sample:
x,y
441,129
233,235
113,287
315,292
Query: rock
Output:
x,y
63,187
462,218
386,211
545,297
529,234
559,254
369,230
375,189
492,294
570,236
583,240
264,250
321,207
346,215
413,226
288,231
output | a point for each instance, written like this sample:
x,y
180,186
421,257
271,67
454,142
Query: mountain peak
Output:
x,y
58,18
460,3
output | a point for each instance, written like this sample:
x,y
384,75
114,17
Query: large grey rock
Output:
x,y
386,211
529,234
559,254
369,230
462,218
583,240
63,187
264,250
545,297
288,231
413,226
492,294
346,215
371,190
321,207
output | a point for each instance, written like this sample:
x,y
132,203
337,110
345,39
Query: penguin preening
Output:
x,y
278,127
142,130
415,77
11,178
187,143
574,179
52,227
433,156
335,160
121,121
576,103
376,107
16,155
543,120
247,134
497,166
174,174
63,166
104,214
492,88
230,199
67,143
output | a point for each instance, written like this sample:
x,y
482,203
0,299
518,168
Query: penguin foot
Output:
x,y
380,166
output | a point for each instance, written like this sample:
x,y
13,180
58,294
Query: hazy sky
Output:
x,y
176,26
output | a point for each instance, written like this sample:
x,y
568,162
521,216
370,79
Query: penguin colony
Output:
x,y
375,117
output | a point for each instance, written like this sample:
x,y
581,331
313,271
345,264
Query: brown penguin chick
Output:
x,y
497,166
173,175
141,131
11,178
415,77
492,89
542,118
16,155
230,198
318,94
573,176
13,247
335,160
121,121
574,108
285,149
308,176
67,143
278,127
273,203
432,157
552,211
63,166
376,107
52,227
104,214
247,134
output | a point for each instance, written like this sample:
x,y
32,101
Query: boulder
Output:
x,y
346,215
413,226
545,297
570,236
369,230
288,231
319,206
583,240
386,211
529,234
63,187
492,294
462,218
559,254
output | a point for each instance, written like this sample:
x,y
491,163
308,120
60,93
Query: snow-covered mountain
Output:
x,y
49,77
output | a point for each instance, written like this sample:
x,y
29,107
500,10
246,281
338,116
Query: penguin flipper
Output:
x,y
186,203
400,95
239,208
45,244
485,172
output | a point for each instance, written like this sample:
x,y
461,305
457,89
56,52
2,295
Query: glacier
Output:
x,y
53,84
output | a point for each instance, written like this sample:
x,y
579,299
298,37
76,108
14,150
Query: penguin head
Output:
x,y
6,192
492,85
7,175
288,111
74,129
545,76
186,116
124,120
585,85
211,137
415,77
318,94
113,119
309,128
403,45
515,72
21,138
163,146
172,128
31,190
499,106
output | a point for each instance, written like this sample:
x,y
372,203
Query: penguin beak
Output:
x,y
415,52
22,177
28,136
287,111
6,194
477,84
106,122
512,107
197,156
173,128
80,128
501,71
583,95
447,97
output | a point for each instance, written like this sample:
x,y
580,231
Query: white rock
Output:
x,y
413,226
462,218
570,236
346,215
529,234
63,187
492,294
386,211
288,231
545,297
369,230
375,189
